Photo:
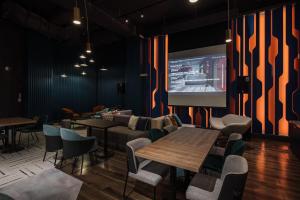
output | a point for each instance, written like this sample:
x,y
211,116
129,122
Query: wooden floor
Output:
x,y
274,173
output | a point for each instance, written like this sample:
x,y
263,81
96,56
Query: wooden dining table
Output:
x,y
98,124
12,123
185,148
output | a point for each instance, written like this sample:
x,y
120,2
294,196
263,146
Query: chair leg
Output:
x,y
61,162
19,142
124,192
44,156
28,140
82,158
154,193
55,158
37,138
74,164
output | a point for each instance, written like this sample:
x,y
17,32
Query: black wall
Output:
x,y
47,91
201,37
12,82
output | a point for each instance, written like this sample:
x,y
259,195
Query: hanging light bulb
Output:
x,y
228,36
83,73
88,48
82,56
91,60
228,31
77,65
64,75
76,14
103,69
83,65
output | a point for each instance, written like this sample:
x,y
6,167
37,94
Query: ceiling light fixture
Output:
x,y
82,56
193,1
88,43
142,15
64,75
103,69
84,65
126,21
91,60
83,73
228,31
77,65
76,14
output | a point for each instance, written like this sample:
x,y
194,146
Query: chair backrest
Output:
x,y
74,144
53,139
237,119
233,138
50,130
234,176
132,147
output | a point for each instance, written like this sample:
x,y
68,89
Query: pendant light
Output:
x,y
92,60
228,31
63,75
76,14
82,56
77,65
88,43
83,73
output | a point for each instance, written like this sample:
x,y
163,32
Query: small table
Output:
x,y
12,123
185,148
99,124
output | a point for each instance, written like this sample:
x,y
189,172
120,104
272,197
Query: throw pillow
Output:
x,y
168,121
133,122
178,120
170,129
157,123
155,134
173,120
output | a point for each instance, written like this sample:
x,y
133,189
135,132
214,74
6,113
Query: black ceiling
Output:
x,y
107,17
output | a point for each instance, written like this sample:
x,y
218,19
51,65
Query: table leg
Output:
x,y
173,182
13,139
7,136
105,142
187,175
89,131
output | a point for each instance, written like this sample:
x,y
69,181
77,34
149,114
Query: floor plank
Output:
x,y
273,174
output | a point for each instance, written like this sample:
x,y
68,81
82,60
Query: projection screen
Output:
x,y
197,77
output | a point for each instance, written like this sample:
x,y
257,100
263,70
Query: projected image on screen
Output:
x,y
201,74
198,77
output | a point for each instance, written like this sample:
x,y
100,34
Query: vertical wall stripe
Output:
x,y
284,78
273,52
296,35
260,72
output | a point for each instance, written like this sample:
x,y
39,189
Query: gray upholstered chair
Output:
x,y
231,123
53,140
229,186
146,171
75,146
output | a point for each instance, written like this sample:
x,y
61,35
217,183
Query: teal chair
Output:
x,y
216,158
53,140
75,146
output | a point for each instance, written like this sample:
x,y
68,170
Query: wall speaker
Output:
x,y
121,88
243,84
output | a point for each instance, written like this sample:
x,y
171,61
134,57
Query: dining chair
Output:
x,y
53,140
216,157
229,186
75,146
146,171
32,130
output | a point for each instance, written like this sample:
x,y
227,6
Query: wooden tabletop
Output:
x,y
15,121
185,148
96,123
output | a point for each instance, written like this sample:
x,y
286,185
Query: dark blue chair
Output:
x,y
53,140
215,160
75,146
